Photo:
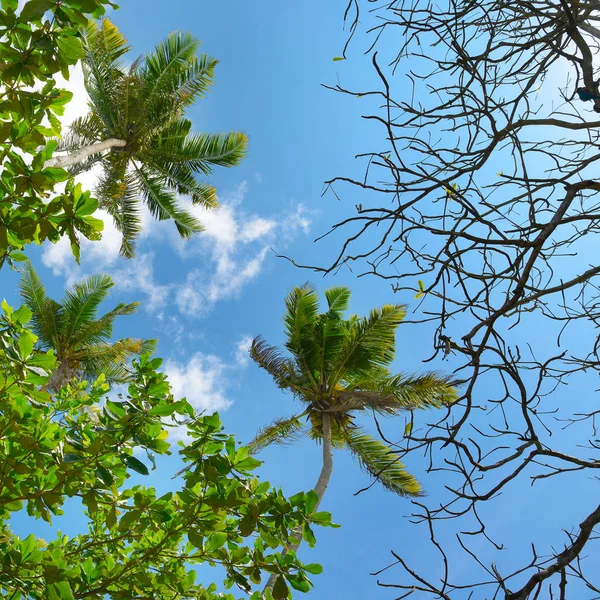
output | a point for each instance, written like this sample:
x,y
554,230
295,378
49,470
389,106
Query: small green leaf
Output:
x,y
408,428
69,458
22,315
26,342
215,541
280,589
310,501
163,410
105,475
336,58
60,590
308,535
34,10
133,463
18,256
313,568
195,539
299,582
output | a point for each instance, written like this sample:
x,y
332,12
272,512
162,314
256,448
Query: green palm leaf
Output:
x,y
281,369
81,304
102,328
338,299
280,432
46,313
370,341
79,340
382,462
391,394
163,204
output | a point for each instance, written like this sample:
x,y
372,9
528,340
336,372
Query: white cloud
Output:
x,y
242,358
237,244
297,222
137,275
78,106
203,380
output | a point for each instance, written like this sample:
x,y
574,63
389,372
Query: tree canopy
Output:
x,y
85,443
137,113
34,49
340,367
80,340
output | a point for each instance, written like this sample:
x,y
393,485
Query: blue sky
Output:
x,y
204,299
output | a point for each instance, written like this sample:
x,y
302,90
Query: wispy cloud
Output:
x,y
203,380
242,348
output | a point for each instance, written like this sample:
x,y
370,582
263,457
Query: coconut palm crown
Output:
x,y
339,367
79,338
137,132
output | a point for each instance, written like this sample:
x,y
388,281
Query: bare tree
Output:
x,y
483,203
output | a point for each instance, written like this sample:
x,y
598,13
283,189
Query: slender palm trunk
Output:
x,y
65,161
320,488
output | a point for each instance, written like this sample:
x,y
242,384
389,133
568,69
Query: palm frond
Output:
x,y
108,353
163,204
281,369
81,303
173,74
104,46
381,462
101,329
302,310
392,394
81,132
149,346
280,432
338,299
182,179
114,372
120,198
371,341
201,151
46,313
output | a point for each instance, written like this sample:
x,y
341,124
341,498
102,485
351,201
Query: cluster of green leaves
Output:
x,y
41,40
81,444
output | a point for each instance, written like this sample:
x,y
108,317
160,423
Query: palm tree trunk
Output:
x,y
68,160
320,488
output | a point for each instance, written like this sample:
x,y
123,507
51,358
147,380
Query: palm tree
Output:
x,y
137,132
339,367
80,340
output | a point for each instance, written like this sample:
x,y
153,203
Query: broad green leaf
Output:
x,y
314,568
26,343
133,463
280,589
60,590
22,315
311,501
215,541
34,10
